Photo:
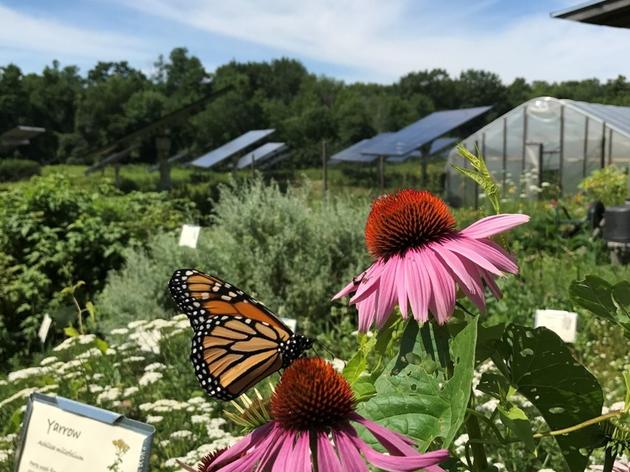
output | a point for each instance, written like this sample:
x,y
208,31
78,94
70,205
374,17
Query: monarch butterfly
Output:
x,y
238,341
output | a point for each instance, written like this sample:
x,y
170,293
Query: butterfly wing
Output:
x,y
232,353
201,296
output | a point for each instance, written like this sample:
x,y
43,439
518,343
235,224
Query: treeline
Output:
x,y
84,112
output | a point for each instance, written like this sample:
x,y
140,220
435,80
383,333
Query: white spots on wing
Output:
x,y
226,298
232,294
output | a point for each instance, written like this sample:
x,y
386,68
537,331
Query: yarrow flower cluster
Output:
x,y
421,259
313,411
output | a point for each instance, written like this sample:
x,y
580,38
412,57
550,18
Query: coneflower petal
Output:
x,y
394,442
497,258
350,458
418,289
252,439
462,247
300,459
443,294
454,263
495,224
327,459
401,287
396,463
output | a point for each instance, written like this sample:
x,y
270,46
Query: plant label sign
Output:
x,y
563,323
189,236
61,435
44,328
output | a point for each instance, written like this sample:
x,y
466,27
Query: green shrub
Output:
x,y
53,234
12,170
608,185
285,251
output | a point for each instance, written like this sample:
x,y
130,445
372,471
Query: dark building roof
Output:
x,y
599,12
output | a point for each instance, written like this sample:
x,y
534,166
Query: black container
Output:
x,y
617,224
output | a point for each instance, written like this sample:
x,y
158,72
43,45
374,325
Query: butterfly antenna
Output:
x,y
333,355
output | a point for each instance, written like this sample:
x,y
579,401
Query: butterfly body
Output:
x,y
237,341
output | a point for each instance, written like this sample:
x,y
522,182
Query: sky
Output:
x,y
352,40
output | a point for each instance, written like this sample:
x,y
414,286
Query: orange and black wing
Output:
x,y
231,353
201,296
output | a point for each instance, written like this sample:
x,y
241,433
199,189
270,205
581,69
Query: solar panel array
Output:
x,y
422,132
354,153
231,148
19,136
261,154
437,145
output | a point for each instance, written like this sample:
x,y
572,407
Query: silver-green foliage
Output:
x,y
288,249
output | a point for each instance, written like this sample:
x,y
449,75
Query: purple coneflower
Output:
x,y
421,259
313,408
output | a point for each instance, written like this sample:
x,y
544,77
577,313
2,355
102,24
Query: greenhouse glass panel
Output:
x,y
543,131
549,141
594,146
620,150
573,150
493,149
514,149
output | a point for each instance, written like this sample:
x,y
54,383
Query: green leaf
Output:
x,y
89,306
540,366
516,420
459,386
621,298
411,401
487,339
495,385
71,332
593,294
364,389
359,362
626,378
101,345
481,175
609,302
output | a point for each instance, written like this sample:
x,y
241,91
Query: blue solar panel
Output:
x,y
354,152
229,149
436,146
423,131
264,152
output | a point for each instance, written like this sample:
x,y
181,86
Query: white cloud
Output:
x,y
381,41
23,36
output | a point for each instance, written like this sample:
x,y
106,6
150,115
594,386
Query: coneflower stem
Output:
x,y
609,460
479,453
584,424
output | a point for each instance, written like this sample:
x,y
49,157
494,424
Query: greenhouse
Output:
x,y
542,143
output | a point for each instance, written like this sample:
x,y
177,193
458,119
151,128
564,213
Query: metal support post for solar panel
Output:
x,y
253,166
561,150
610,135
381,172
585,150
541,151
524,150
602,157
325,168
163,146
424,170
504,156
